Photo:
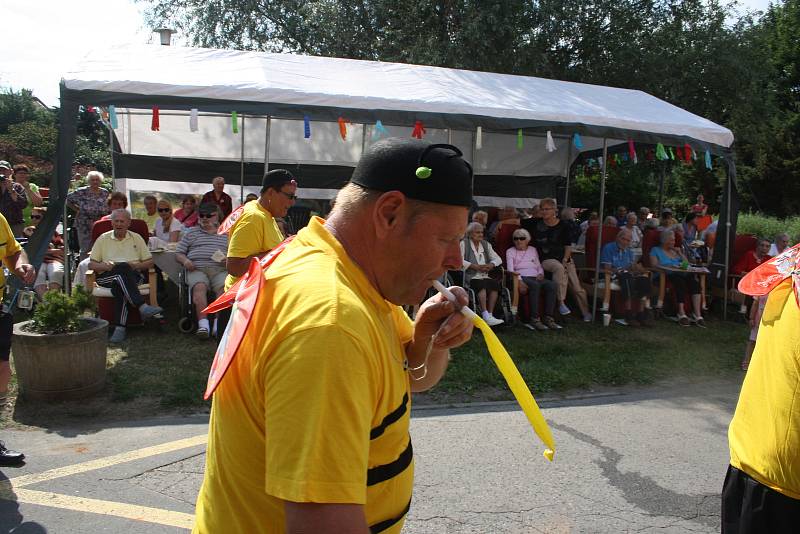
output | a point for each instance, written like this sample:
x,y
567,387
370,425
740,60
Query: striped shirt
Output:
x,y
199,246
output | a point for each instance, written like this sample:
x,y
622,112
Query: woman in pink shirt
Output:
x,y
523,261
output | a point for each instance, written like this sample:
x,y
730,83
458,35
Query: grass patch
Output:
x,y
164,371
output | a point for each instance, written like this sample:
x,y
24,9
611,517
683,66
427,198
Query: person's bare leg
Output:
x,y
696,305
5,377
482,299
41,289
681,310
199,298
492,302
748,353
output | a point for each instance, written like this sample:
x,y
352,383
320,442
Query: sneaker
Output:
x,y
587,317
202,332
118,336
539,325
529,326
621,322
147,311
493,321
563,310
551,323
683,321
700,322
9,458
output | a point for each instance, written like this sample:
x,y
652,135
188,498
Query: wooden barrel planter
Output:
x,y
54,367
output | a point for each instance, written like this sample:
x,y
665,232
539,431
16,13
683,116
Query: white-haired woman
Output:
x,y
479,259
523,261
91,203
667,255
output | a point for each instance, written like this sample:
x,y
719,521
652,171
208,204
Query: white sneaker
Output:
x,y
563,310
493,321
621,322
587,317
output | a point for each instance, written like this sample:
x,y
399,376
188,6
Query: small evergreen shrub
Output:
x,y
60,313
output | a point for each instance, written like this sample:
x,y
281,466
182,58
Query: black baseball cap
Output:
x,y
208,207
418,169
277,179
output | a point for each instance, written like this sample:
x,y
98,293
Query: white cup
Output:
x,y
606,319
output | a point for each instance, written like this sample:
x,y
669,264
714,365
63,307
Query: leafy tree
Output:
x,y
17,107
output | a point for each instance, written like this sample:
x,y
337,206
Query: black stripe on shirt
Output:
x,y
382,473
383,525
389,419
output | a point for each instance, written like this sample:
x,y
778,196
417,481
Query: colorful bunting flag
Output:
x,y
155,124
660,152
632,151
234,122
478,138
708,160
306,127
576,139
379,131
193,114
519,139
343,127
550,145
419,130
112,116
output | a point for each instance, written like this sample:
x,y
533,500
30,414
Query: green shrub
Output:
x,y
768,227
60,313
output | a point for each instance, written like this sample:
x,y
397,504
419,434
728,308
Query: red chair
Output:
x,y
103,295
587,274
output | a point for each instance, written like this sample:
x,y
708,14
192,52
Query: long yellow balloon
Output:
x,y
510,372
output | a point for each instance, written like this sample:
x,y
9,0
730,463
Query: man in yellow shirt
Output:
x,y
309,427
17,262
255,232
762,486
119,257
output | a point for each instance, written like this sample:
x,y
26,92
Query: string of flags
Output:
x,y
684,154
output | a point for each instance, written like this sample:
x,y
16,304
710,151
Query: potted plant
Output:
x,y
61,353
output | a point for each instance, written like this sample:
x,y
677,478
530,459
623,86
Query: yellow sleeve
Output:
x,y
7,242
141,248
403,324
246,237
319,387
97,252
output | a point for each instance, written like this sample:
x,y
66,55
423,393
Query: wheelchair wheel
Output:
x,y
185,325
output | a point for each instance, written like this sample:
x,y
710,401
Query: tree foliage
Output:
x,y
702,55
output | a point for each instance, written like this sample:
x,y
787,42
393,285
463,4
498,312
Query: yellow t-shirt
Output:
x,y
315,406
8,247
764,436
150,220
254,233
130,248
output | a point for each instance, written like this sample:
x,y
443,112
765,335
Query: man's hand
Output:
x,y
540,276
189,265
25,272
437,316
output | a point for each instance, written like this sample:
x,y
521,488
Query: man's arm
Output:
x,y
238,266
307,518
18,195
19,264
36,198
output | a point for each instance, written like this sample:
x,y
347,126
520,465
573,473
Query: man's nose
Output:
x,y
453,260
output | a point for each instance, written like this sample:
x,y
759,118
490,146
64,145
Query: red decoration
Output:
x,y
155,124
687,153
343,128
419,130
650,155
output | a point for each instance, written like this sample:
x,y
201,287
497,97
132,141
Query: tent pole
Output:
x,y
600,231
567,168
111,147
266,145
727,241
241,164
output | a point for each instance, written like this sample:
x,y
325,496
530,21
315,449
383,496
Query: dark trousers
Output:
x,y
749,507
535,288
683,283
6,329
633,286
123,283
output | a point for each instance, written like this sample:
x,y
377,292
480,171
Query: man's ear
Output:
x,y
388,211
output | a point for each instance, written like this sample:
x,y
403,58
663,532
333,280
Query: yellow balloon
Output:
x,y
518,386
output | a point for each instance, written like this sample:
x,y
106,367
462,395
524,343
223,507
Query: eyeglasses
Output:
x,y
206,215
288,195
36,216
519,238
164,210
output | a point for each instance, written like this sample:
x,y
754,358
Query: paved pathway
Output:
x,y
649,460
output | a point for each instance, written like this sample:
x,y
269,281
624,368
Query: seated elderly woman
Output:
x,y
51,271
167,228
667,256
632,225
479,259
187,213
202,252
523,262
116,201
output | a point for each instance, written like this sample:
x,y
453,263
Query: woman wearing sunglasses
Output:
x,y
168,228
523,262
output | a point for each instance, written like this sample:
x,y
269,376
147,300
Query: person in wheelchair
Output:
x,y
479,259
203,253
523,261
618,259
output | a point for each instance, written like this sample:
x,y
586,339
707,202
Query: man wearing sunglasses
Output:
x,y
255,232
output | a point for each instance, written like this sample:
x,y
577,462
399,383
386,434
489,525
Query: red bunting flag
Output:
x,y
419,130
155,124
343,128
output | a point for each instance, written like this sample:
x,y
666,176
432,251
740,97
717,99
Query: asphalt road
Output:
x,y
647,460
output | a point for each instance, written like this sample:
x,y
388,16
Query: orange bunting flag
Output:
x,y
764,278
230,220
343,128
155,124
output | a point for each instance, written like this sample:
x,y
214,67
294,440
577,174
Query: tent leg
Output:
x,y
728,246
600,233
567,168
266,150
241,163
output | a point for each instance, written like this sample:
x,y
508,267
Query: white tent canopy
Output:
x,y
272,93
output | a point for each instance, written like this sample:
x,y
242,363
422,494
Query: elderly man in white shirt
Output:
x,y
479,259
781,243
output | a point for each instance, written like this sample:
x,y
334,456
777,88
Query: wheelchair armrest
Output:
x,y
152,282
91,280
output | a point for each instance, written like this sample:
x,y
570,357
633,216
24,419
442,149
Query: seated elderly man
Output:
x,y
617,258
203,252
119,257
781,243
479,259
